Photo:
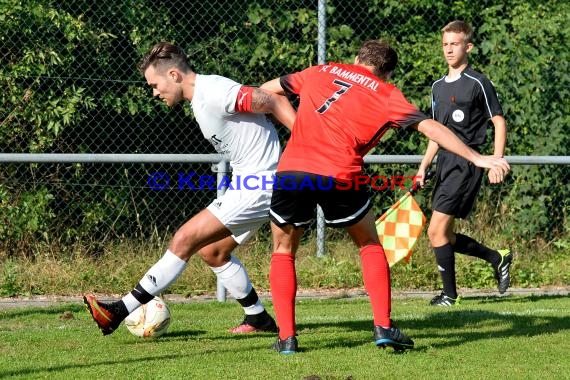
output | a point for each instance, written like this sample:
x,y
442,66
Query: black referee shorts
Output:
x,y
457,183
297,194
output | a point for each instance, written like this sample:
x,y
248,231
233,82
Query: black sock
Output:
x,y
257,320
468,246
141,294
119,309
445,258
249,300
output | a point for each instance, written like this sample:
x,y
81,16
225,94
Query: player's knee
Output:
x,y
435,233
181,246
212,261
214,257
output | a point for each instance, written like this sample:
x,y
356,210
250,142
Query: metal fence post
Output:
x,y
322,32
321,57
222,168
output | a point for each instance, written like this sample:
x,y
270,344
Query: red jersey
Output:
x,y
343,112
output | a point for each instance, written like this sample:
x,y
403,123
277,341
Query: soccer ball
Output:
x,y
150,320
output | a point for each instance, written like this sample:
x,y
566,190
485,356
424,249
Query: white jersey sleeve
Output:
x,y
249,140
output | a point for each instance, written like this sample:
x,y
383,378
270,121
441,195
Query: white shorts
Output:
x,y
243,209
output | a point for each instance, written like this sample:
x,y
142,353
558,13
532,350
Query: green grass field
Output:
x,y
510,337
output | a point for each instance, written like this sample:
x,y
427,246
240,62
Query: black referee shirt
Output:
x,y
465,105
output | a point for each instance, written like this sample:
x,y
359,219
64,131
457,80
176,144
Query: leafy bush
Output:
x,y
25,217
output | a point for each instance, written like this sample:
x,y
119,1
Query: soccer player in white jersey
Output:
x,y
232,117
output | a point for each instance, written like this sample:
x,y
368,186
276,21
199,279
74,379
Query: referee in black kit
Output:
x,y
464,100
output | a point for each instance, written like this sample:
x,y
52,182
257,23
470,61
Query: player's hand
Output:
x,y
496,175
498,168
491,162
420,178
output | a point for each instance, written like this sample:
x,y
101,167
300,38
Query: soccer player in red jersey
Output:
x,y
343,112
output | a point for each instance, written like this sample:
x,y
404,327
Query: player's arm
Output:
x,y
406,115
273,86
278,105
429,155
500,135
276,86
499,146
256,100
495,113
446,139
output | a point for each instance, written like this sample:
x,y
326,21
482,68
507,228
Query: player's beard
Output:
x,y
172,101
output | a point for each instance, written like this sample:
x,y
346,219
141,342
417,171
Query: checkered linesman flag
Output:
x,y
400,227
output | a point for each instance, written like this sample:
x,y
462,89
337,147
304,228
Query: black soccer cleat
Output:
x,y
444,300
503,270
392,337
286,346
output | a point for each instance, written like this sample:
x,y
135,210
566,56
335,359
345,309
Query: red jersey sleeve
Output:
x,y
292,83
402,112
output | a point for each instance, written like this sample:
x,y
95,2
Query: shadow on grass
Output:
x,y
456,325
23,311
182,335
516,299
434,327
54,369
175,336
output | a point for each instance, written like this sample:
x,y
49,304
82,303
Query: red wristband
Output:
x,y
244,99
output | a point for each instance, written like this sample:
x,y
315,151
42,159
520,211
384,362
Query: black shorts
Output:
x,y
457,183
297,194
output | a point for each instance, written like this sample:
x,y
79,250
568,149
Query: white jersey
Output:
x,y
248,140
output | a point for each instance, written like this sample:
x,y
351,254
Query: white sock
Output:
x,y
235,279
158,278
253,309
131,302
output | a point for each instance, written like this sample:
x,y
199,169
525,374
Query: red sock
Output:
x,y
283,282
376,275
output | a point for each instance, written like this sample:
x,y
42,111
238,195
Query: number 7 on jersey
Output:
x,y
343,89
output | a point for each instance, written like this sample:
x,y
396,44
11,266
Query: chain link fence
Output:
x,y
70,85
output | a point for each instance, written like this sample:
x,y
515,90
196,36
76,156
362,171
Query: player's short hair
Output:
x,y
163,56
459,26
380,55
